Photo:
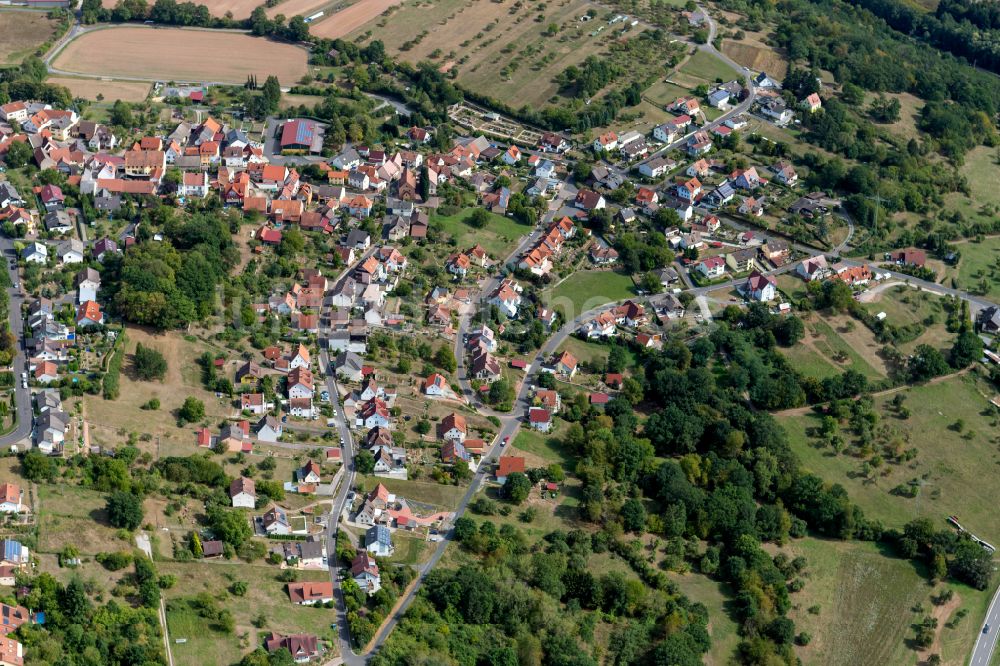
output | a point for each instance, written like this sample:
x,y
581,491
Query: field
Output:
x,y
266,596
721,627
951,468
72,515
173,54
502,49
706,67
909,113
865,600
980,170
127,91
903,305
978,262
754,53
427,492
347,20
585,290
23,32
499,237
841,336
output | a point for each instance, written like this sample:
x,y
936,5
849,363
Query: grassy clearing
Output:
x,y
499,237
542,445
909,112
951,467
73,515
903,305
831,343
980,169
585,290
22,34
410,549
704,66
127,91
266,596
809,362
979,261
585,352
864,600
721,627
754,52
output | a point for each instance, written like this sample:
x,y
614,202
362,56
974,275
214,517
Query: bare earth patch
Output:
x,y
170,54
127,91
348,20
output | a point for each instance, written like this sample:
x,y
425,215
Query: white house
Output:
x,y
378,541
243,493
11,498
35,253
760,287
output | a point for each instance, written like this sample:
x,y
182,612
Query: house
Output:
x,y
762,80
670,307
507,297
70,251
630,314
103,247
303,647
698,143
57,222
301,135
243,493
309,473
539,419
743,260
603,255
752,206
760,287
193,184
12,617
605,142
852,275
656,167
565,364
375,413
813,268
436,385
14,554
11,498
745,179
11,651
453,427
785,174
300,359
549,400
300,383
589,200
712,267
512,156
989,320
812,103
719,98
486,367
776,251
275,521
89,314
378,541
601,326
348,365
507,465
666,132
553,143
364,571
689,190
249,374
35,253
686,105
908,257
311,593
721,195
268,429
776,110
255,403
52,197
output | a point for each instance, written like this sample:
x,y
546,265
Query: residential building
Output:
x,y
378,541
243,493
310,593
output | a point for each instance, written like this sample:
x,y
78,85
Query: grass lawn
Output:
x,y
952,468
427,492
704,66
410,549
499,237
72,515
809,362
585,352
864,600
903,306
585,290
266,596
664,93
541,445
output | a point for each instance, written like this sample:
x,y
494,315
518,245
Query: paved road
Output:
x,y
23,396
987,642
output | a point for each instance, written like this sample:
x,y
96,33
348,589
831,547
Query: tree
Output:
x,y
271,94
633,515
36,466
194,543
364,462
18,155
229,526
124,510
192,411
968,349
121,114
445,359
149,363
926,362
478,218
292,243
516,487
972,564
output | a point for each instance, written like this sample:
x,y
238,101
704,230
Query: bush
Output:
x,y
114,561
191,411
124,510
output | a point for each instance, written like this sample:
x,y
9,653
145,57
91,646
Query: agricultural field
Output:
x,y
499,237
950,426
585,290
707,68
174,54
863,604
510,51
109,91
23,32
978,263
345,21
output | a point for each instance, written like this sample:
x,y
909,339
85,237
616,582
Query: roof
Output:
x,y
378,534
510,464
310,591
538,415
242,485
453,420
10,492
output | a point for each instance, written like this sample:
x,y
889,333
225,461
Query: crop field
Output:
x,y
110,91
347,20
864,601
173,54
504,49
951,426
585,290
499,237
22,33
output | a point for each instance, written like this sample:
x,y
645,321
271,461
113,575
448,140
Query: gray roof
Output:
x,y
378,534
349,361
57,219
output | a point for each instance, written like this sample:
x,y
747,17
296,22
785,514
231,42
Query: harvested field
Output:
x,y
127,91
170,54
348,20
23,32
302,8
752,52
240,8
